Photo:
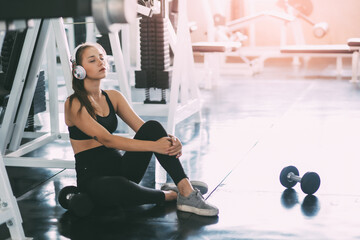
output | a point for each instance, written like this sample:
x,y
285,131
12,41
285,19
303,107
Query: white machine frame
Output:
x,y
184,100
9,209
216,61
184,94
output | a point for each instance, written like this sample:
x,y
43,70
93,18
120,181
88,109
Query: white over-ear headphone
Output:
x,y
78,71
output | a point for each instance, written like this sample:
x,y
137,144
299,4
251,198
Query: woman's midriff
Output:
x,y
83,145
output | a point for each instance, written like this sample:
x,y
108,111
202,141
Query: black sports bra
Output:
x,y
109,122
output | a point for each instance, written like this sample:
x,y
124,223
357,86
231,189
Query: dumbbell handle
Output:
x,y
292,177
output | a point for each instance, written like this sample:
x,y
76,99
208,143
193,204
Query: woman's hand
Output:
x,y
163,145
176,146
170,145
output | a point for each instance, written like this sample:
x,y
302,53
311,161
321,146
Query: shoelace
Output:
x,y
198,193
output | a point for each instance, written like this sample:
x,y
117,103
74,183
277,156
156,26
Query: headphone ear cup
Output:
x,y
79,72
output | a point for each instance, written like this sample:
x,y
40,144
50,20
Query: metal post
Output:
x,y
120,65
9,209
64,52
355,66
52,83
18,85
30,85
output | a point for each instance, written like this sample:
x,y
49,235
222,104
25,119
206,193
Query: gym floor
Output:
x,y
251,128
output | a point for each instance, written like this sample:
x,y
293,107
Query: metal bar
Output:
x,y
33,134
70,32
11,211
172,36
339,65
32,145
30,85
355,67
330,55
39,162
292,177
120,65
18,85
241,22
125,46
52,84
5,215
64,52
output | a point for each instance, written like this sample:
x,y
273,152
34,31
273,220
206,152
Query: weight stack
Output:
x,y
6,50
38,104
155,54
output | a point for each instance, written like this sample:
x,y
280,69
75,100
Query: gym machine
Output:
x,y
302,9
25,76
183,100
219,29
172,67
108,14
9,210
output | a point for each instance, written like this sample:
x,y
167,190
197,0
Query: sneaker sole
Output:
x,y
198,211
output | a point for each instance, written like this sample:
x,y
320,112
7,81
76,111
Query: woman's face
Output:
x,y
93,60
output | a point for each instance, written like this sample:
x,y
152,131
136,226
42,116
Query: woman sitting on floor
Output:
x,y
109,177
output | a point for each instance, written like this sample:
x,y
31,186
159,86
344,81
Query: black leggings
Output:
x,y
112,179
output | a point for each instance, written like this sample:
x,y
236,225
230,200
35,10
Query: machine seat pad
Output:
x,y
354,42
330,49
215,46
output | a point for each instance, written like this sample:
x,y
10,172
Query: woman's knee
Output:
x,y
151,130
153,124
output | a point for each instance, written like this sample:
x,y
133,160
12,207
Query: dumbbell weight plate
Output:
x,y
284,179
63,195
310,182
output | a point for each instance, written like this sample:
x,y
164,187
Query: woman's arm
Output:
x,y
89,126
128,115
124,110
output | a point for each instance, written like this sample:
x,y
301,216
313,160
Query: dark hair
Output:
x,y
78,85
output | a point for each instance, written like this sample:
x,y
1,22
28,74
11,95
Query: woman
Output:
x,y
109,177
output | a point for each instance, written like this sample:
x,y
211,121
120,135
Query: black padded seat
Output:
x,y
323,49
210,47
354,42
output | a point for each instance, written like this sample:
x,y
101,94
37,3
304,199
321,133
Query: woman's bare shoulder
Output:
x,y
72,103
114,94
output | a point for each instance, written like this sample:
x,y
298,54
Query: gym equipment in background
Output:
x,y
155,57
108,14
9,209
302,9
310,182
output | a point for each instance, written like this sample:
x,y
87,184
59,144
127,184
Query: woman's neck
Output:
x,y
92,88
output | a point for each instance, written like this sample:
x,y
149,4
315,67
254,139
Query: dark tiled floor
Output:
x,y
252,127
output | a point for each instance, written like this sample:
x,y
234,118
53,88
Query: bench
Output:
x,y
354,44
212,52
332,50
212,47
